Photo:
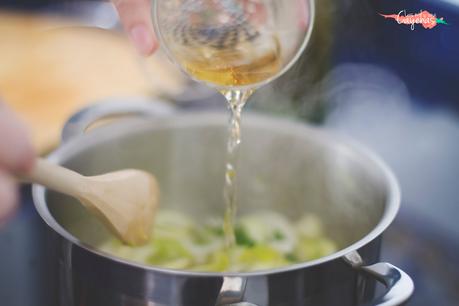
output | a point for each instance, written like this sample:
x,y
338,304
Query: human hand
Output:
x,y
135,16
16,156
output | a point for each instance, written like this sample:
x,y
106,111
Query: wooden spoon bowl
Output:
x,y
125,201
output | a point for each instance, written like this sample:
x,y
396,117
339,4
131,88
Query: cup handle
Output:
x,y
143,107
399,285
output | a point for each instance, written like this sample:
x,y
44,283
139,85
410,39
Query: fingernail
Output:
x,y
142,39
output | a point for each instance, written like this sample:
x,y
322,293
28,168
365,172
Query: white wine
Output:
x,y
236,101
234,68
228,56
235,46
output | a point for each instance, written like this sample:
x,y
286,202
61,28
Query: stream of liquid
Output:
x,y
239,56
243,66
236,101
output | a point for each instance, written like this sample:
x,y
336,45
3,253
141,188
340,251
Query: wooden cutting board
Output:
x,y
49,68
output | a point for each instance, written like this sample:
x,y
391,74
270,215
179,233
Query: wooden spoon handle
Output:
x,y
56,177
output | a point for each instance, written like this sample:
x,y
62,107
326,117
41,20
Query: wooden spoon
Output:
x,y
125,201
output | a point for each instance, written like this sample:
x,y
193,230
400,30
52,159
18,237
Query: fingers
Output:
x,y
16,151
135,16
8,197
16,156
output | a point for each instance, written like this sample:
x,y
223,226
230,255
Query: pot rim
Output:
x,y
74,147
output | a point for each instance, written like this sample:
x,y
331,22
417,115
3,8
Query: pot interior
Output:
x,y
286,167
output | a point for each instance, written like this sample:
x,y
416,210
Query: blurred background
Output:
x,y
392,88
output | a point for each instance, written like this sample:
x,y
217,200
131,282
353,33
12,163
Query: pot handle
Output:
x,y
232,292
83,119
399,285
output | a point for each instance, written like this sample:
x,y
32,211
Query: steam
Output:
x,y
373,105
356,90
299,92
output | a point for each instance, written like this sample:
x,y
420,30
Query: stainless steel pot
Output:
x,y
285,166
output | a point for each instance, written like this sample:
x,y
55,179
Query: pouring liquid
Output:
x,y
241,66
236,101
228,57
222,71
